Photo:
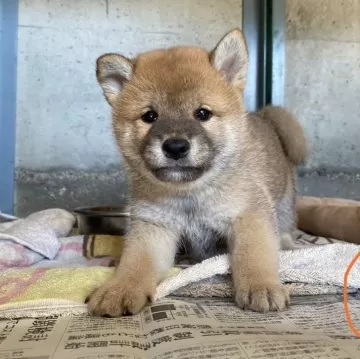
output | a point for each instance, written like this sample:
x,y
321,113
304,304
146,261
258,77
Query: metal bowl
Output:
x,y
103,220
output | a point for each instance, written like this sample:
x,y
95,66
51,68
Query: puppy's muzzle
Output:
x,y
176,148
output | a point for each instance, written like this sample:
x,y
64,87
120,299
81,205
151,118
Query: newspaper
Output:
x,y
314,327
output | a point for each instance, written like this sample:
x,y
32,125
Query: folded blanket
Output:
x,y
316,268
330,217
24,242
63,270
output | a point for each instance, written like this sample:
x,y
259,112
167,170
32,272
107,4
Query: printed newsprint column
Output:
x,y
199,328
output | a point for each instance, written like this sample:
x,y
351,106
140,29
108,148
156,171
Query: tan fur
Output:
x,y
137,288
290,132
136,272
255,287
237,182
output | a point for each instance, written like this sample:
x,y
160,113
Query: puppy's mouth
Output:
x,y
178,174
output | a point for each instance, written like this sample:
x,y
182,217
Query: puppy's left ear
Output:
x,y
230,58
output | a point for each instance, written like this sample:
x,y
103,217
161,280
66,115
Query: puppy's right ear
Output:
x,y
112,73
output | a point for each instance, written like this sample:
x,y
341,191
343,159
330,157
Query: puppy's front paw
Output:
x,y
262,297
120,297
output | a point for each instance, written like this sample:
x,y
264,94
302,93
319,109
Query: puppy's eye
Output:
x,y
149,117
202,114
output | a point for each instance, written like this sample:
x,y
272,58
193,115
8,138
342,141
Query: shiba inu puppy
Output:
x,y
205,173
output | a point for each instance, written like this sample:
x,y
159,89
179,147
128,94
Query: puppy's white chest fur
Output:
x,y
202,221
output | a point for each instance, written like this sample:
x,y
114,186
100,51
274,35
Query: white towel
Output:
x,y
24,242
313,269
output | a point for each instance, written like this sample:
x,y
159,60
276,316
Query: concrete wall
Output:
x,y
65,153
323,79
63,120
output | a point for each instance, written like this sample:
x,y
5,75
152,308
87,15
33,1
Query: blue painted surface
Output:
x,y
264,30
8,74
278,52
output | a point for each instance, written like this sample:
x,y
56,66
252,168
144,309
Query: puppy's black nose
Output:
x,y
176,148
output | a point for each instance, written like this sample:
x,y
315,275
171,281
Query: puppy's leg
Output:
x,y
287,242
286,215
148,253
254,260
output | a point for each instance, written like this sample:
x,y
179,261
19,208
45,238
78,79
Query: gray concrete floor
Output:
x,y
73,188
334,184
68,189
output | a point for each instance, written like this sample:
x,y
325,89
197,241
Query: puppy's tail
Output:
x,y
290,132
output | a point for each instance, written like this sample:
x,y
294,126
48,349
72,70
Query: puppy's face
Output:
x,y
175,110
